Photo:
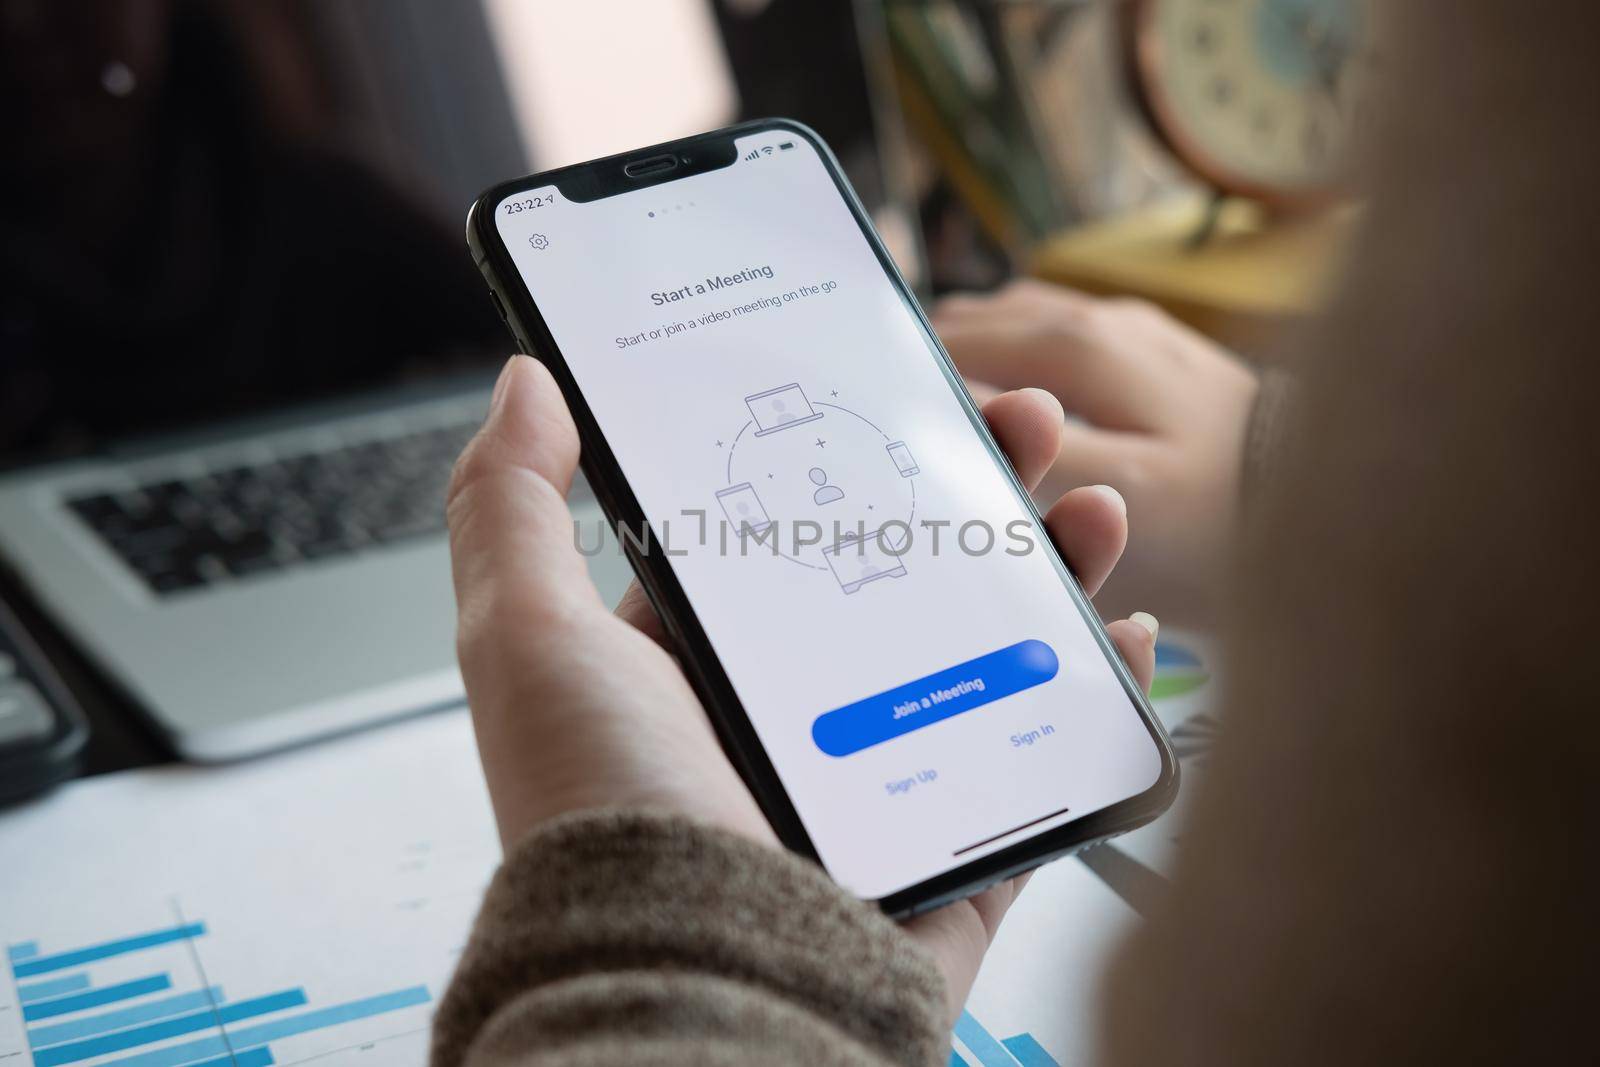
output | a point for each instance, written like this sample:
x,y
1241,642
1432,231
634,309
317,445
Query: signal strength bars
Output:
x,y
766,150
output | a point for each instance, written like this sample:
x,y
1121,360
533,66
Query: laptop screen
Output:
x,y
186,242
250,206
777,408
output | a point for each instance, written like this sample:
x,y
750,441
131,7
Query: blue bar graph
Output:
x,y
1029,1052
94,998
31,966
981,1043
1023,1049
160,1031
54,987
212,1031
104,1023
261,1033
250,1057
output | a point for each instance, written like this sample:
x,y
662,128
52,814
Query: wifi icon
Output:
x,y
753,155
766,150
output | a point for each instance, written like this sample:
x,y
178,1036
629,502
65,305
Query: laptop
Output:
x,y
236,367
780,408
265,583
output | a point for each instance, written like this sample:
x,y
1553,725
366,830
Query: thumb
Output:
x,y
1135,638
528,426
511,538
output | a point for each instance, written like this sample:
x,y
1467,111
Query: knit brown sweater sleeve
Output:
x,y
623,937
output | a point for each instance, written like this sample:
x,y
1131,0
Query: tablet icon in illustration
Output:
x,y
744,509
856,560
902,457
780,408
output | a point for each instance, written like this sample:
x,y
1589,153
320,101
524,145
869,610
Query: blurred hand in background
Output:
x,y
1161,414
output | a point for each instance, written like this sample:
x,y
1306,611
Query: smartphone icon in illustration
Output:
x,y
902,459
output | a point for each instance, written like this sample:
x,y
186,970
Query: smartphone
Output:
x,y
894,655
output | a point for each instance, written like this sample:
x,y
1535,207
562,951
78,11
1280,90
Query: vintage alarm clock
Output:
x,y
1259,98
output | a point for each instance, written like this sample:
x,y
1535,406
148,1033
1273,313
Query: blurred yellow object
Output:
x,y
1253,275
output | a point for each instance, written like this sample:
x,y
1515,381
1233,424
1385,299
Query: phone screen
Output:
x,y
869,575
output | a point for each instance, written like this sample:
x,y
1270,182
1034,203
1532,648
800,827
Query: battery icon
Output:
x,y
785,146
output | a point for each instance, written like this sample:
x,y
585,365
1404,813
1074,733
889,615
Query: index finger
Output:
x,y
511,547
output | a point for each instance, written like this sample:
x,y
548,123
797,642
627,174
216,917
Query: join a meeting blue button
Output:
x,y
933,698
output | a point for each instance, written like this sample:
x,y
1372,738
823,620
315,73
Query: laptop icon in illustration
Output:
x,y
780,408
856,560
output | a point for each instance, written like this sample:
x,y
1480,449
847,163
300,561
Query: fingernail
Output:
x,y
1114,497
1148,621
499,393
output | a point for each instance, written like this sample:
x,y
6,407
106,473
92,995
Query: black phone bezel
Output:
x,y
600,178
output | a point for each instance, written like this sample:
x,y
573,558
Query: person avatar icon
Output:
x,y
825,494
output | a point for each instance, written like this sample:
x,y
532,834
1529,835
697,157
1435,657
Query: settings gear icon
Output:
x,y
539,241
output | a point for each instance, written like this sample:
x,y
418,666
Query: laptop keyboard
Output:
x,y
247,520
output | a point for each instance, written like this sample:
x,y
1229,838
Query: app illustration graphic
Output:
x,y
780,408
841,475
743,509
855,561
902,458
825,494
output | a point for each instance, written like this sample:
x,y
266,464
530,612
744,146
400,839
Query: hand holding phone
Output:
x,y
858,587
578,709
